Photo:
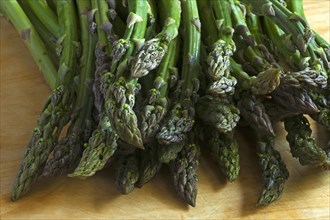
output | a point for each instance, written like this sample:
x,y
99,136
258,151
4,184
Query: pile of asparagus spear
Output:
x,y
141,84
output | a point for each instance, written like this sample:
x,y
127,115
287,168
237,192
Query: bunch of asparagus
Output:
x,y
146,83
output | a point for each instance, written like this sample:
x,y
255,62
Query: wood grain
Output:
x,y
23,91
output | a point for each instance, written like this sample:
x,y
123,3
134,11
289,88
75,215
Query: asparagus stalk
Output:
x,y
253,111
104,23
302,145
181,118
118,23
293,24
48,39
149,163
218,112
45,15
120,98
184,171
156,105
31,38
57,111
127,173
224,47
253,59
67,153
273,169
224,150
294,99
153,51
296,6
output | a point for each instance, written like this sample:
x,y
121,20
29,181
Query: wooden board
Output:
x,y
23,91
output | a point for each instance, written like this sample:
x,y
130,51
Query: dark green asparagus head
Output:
x,y
273,170
218,112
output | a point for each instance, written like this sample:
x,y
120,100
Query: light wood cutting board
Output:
x,y
23,91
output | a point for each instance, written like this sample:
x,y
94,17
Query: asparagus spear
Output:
x,y
153,51
224,149
156,105
48,39
127,173
294,99
120,97
302,145
57,111
149,163
295,26
31,38
296,6
253,111
184,171
45,15
252,58
221,113
181,118
264,83
67,153
273,169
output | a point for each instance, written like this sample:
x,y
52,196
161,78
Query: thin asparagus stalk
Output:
x,y
31,38
48,39
153,51
181,118
57,111
104,23
253,59
294,25
296,6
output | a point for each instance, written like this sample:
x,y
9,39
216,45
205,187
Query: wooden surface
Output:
x,y
23,91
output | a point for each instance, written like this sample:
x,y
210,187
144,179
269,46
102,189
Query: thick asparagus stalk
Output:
x,y
31,38
45,15
153,51
58,109
48,39
181,117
